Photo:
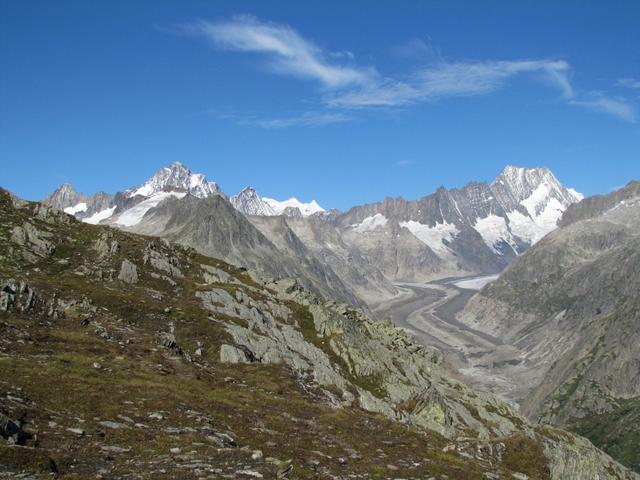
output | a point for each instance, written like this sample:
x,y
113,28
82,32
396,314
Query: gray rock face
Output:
x,y
63,197
293,212
383,369
231,354
319,245
18,295
597,205
36,242
128,272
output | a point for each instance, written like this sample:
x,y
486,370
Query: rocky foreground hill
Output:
x,y
125,356
570,307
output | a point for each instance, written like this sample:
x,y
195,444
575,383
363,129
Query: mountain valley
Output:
x,y
127,356
397,313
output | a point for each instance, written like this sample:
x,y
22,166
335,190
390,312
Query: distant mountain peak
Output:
x,y
176,177
249,202
523,182
63,197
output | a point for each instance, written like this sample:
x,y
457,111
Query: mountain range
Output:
x,y
355,256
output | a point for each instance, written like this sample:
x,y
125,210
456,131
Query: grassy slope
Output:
x,y
87,367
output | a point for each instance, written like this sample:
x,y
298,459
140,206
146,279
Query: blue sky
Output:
x,y
344,102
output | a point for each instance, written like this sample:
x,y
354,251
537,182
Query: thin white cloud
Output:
x,y
349,86
629,83
404,163
416,49
612,106
288,53
458,79
307,119
343,54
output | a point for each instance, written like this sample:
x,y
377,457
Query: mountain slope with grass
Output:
x,y
123,355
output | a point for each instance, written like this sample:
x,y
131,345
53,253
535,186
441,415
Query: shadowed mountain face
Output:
x,y
128,356
214,227
571,306
314,237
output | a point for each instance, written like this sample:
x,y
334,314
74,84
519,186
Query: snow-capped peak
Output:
x,y
306,209
522,182
249,202
176,177
533,200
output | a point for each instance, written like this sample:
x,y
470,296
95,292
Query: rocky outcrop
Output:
x,y
12,431
34,243
128,272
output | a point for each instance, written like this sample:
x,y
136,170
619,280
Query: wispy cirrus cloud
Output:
x,y
287,52
453,79
348,87
628,83
404,163
416,49
306,119
598,102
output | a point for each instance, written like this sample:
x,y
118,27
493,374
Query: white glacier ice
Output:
x,y
432,236
370,223
133,216
81,207
99,216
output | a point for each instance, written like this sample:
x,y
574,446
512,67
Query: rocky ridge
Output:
x,y
477,229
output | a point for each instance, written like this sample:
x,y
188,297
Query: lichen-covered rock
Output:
x,y
128,272
231,354
162,261
577,459
215,275
106,245
35,243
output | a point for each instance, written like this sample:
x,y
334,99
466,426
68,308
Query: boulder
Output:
x,y
12,431
128,272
